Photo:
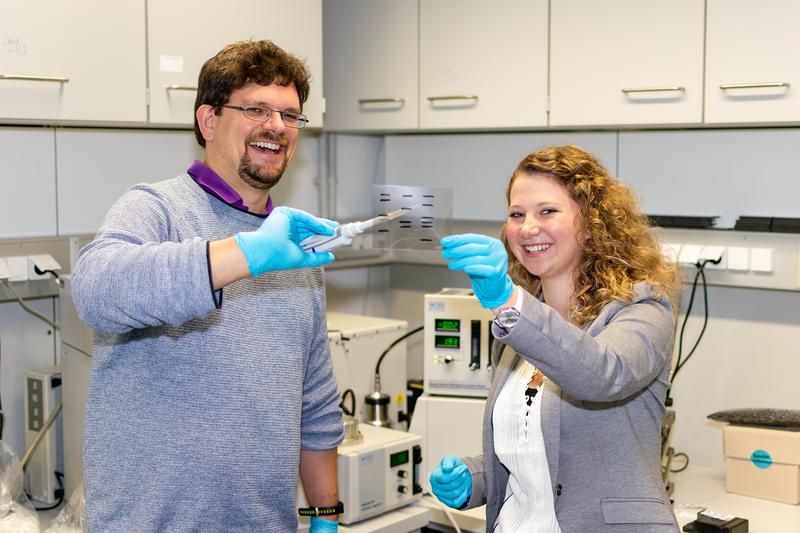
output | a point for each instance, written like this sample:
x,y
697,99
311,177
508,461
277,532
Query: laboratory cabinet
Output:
x,y
752,72
435,64
626,62
370,65
183,34
72,60
482,67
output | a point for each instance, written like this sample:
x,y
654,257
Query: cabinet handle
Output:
x,y
654,89
363,101
181,88
755,85
56,79
454,97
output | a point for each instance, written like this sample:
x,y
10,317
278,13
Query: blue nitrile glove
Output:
x,y
275,245
451,482
320,525
485,261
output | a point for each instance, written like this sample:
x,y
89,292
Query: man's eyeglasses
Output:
x,y
262,114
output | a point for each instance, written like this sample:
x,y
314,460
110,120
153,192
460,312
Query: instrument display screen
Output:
x,y
448,341
447,324
399,458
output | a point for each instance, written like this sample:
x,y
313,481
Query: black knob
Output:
x,y
402,474
402,489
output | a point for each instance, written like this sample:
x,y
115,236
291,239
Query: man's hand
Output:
x,y
276,244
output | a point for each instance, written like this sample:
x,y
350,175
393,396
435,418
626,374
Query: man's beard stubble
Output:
x,y
252,175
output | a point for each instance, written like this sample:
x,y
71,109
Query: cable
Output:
x,y
46,271
684,467
38,438
28,309
446,511
60,492
392,345
352,410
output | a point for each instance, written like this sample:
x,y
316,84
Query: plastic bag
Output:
x,y
72,518
16,512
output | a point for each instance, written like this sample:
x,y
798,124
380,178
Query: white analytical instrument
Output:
x,y
458,340
378,472
345,232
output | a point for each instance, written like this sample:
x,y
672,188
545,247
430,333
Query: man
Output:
x,y
201,412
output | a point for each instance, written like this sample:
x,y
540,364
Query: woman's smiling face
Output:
x,y
543,227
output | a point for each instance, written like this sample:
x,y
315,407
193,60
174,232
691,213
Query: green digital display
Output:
x,y
447,324
399,458
448,341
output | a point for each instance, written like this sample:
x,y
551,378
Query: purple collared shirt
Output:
x,y
213,184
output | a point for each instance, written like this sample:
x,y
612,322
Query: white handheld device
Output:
x,y
345,232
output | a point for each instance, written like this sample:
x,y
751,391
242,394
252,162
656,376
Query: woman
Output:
x,y
585,329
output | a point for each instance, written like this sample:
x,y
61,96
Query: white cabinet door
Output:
x,y
370,65
67,60
626,62
752,71
483,65
183,34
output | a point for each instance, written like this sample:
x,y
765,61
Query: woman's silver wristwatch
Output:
x,y
506,319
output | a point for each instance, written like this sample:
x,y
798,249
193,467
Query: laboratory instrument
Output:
x,y
345,232
378,473
458,340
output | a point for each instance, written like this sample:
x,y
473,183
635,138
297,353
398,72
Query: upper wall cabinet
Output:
x,y
73,60
183,34
482,65
626,62
752,72
370,64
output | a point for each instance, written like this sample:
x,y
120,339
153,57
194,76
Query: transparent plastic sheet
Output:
x,y
430,219
72,518
16,512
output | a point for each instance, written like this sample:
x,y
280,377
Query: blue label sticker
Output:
x,y
761,458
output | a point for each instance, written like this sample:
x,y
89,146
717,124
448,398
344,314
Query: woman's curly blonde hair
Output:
x,y
620,249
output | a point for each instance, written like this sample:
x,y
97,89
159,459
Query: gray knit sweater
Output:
x,y
197,408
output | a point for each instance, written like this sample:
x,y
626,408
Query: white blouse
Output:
x,y
528,504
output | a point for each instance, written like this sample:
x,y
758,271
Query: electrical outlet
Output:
x,y
43,262
5,272
713,253
18,265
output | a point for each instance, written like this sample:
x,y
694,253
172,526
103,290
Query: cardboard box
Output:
x,y
763,462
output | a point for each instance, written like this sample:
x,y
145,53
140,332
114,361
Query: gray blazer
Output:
x,y
602,409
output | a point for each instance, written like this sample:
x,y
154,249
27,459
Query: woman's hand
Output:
x,y
485,261
451,482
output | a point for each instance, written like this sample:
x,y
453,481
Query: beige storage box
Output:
x,y
763,462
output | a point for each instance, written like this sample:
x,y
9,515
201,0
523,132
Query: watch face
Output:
x,y
507,318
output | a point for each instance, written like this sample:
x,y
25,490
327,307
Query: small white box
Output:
x,y
713,253
5,272
763,462
739,258
19,267
43,262
761,259
689,254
